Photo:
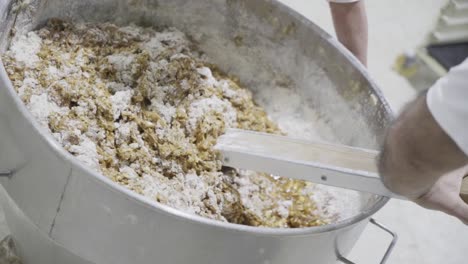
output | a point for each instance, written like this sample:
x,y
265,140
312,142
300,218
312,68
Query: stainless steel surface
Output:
x,y
5,173
389,250
302,159
82,215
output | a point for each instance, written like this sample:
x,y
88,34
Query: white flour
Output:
x,y
42,107
26,49
120,102
187,106
85,151
199,109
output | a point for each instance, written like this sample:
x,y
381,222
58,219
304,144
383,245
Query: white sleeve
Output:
x,y
448,102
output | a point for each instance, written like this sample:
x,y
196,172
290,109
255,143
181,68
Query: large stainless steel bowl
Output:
x,y
61,212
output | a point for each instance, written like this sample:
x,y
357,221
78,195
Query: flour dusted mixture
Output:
x,y
144,108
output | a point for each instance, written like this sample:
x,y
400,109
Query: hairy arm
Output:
x,y
350,21
420,161
417,152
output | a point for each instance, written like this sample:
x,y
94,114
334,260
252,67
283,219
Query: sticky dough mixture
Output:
x,y
144,108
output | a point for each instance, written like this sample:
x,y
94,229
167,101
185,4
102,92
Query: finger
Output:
x,y
457,174
460,210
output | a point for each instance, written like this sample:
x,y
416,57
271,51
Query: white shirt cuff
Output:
x,y
447,101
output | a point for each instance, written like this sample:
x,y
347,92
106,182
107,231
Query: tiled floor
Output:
x,y
425,237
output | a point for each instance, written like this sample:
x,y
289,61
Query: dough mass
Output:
x,y
144,108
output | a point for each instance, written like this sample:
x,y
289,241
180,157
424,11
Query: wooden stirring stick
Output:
x,y
329,164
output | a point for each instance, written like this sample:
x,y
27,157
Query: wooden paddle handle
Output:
x,y
464,189
319,162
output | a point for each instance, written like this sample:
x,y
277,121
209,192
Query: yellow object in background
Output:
x,y
405,65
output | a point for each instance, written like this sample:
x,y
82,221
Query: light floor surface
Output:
x,y
425,237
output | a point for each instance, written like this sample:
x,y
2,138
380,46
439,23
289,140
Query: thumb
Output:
x,y
460,210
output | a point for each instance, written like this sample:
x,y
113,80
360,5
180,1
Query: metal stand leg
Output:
x,y
389,249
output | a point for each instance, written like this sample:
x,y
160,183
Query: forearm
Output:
x,y
417,152
350,21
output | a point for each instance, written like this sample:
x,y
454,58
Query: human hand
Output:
x,y
350,21
444,195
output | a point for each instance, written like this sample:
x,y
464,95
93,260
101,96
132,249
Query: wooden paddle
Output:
x,y
329,164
